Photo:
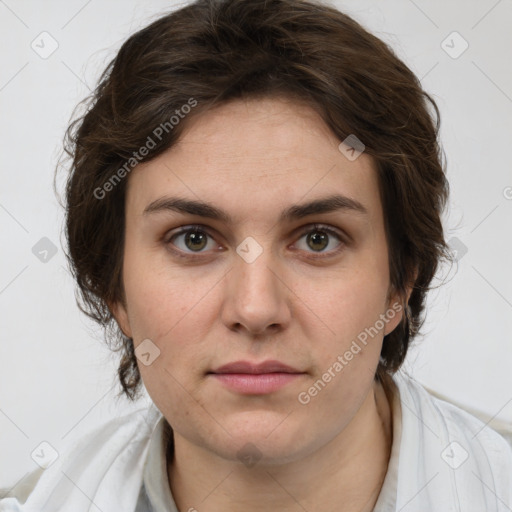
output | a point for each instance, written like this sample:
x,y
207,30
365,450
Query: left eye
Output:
x,y
318,238
195,239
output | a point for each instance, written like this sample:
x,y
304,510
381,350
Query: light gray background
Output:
x,y
58,380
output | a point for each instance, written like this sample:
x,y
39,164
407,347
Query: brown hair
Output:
x,y
210,52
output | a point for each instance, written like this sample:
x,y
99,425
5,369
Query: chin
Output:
x,y
272,445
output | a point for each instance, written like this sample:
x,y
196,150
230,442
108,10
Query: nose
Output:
x,y
256,296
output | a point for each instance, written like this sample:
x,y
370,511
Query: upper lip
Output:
x,y
270,366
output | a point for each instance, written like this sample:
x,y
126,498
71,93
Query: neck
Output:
x,y
349,470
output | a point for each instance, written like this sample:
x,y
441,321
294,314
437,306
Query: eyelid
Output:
x,y
185,229
323,227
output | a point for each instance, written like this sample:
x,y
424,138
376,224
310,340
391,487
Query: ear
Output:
x,y
120,313
397,304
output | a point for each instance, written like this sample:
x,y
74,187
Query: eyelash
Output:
x,y
311,229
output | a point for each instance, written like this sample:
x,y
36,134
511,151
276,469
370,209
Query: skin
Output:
x,y
253,159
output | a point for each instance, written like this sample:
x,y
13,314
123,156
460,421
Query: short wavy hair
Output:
x,y
212,52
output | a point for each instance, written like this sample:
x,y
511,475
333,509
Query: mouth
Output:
x,y
255,379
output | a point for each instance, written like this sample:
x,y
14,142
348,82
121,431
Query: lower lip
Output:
x,y
255,384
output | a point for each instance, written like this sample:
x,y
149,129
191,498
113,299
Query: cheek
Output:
x,y
162,311
157,298
346,359
351,309
356,299
174,310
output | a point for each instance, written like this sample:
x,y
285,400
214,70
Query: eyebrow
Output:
x,y
295,212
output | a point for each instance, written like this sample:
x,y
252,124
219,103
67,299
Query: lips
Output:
x,y
241,367
246,378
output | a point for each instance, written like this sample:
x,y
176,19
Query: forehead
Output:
x,y
255,156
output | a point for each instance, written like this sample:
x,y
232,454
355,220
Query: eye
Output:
x,y
319,237
194,239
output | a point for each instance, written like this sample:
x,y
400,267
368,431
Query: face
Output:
x,y
258,278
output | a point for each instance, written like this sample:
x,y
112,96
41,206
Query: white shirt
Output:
x,y
442,459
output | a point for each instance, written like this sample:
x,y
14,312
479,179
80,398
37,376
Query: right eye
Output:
x,y
193,239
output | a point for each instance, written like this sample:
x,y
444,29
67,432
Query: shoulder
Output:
x,y
451,418
110,455
455,452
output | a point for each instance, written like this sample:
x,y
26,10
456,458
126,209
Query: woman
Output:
x,y
301,156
